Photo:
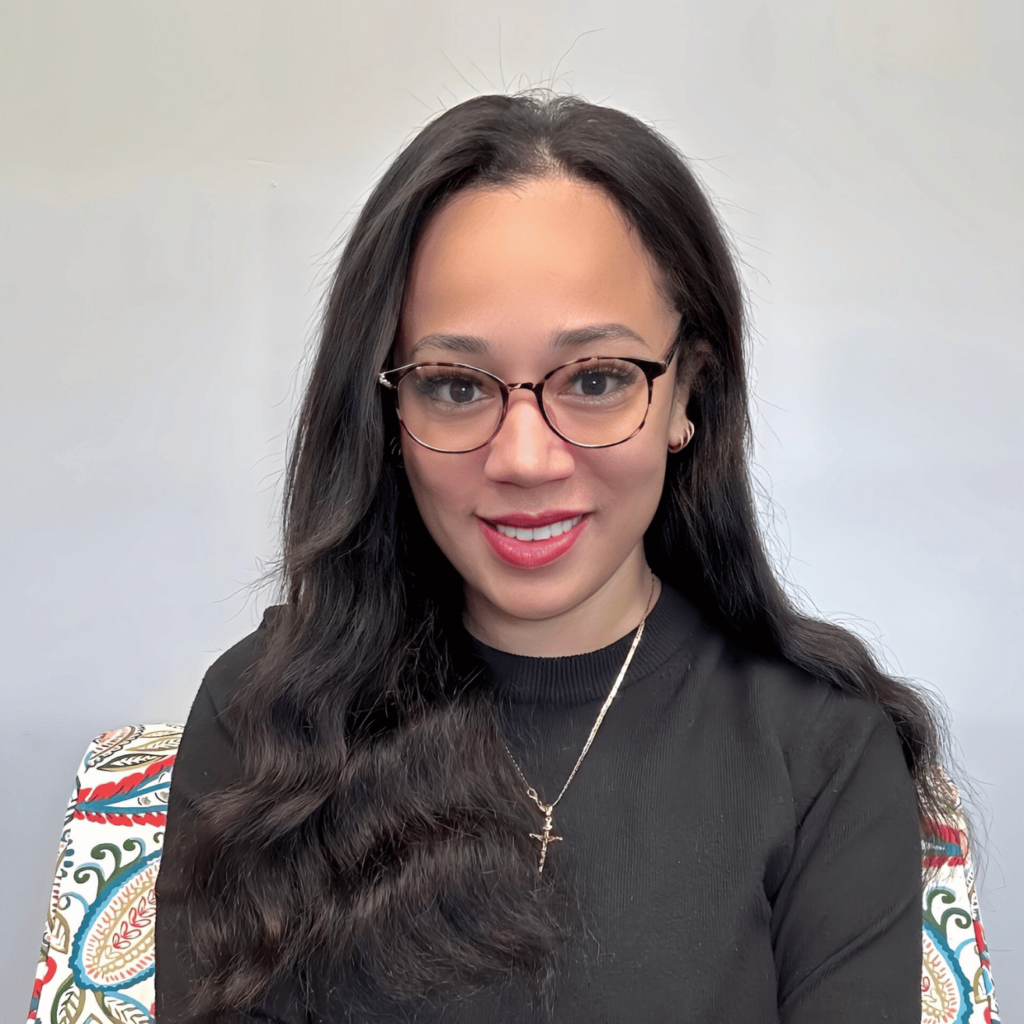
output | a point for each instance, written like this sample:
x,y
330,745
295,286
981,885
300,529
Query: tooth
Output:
x,y
538,532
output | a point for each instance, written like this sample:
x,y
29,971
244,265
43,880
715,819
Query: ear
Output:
x,y
680,428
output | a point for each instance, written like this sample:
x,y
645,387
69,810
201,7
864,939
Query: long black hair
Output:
x,y
378,817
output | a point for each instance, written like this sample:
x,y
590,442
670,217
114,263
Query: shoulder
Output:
x,y
769,691
808,711
815,732
206,756
226,677
839,748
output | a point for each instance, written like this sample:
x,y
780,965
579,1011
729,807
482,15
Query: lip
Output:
x,y
532,554
528,520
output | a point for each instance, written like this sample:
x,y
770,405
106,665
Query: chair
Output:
x,y
97,958
97,962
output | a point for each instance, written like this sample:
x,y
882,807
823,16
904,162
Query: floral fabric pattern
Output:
x,y
96,965
956,972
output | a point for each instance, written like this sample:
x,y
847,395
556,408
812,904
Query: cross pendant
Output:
x,y
545,837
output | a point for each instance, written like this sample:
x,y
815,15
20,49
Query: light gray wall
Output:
x,y
174,176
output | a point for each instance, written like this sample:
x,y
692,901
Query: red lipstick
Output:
x,y
559,532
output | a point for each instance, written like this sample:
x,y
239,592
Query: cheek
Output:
x,y
440,484
635,483
649,477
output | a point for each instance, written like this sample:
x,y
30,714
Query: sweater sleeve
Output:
x,y
846,922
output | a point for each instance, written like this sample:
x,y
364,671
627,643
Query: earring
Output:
x,y
396,452
678,446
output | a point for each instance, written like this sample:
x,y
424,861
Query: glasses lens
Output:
x,y
597,401
452,408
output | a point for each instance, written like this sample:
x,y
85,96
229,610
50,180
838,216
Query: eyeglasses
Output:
x,y
594,402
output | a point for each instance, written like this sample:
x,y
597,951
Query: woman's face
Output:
x,y
497,276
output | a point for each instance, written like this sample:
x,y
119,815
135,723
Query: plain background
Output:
x,y
174,178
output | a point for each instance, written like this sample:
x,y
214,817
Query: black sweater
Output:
x,y
744,837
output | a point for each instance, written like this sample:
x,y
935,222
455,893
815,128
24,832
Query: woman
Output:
x,y
536,732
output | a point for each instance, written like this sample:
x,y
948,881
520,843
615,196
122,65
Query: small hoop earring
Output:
x,y
396,452
678,446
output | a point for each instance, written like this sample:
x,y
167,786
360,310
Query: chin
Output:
x,y
535,601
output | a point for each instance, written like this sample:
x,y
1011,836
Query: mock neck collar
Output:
x,y
583,678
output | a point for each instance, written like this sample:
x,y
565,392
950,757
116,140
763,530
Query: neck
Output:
x,y
597,621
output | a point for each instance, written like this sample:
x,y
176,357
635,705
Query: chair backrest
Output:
x,y
97,956
956,971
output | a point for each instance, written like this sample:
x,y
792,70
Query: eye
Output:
x,y
458,390
600,381
594,383
447,387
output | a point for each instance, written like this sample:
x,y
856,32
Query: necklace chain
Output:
x,y
545,837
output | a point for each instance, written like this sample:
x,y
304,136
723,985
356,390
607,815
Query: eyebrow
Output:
x,y
571,338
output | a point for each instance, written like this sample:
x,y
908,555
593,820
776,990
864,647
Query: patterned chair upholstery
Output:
x,y
97,963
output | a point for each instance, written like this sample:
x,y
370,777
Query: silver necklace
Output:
x,y
547,810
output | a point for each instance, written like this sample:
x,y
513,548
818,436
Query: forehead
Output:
x,y
519,266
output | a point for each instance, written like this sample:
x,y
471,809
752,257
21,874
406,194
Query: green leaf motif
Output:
x,y
126,762
60,932
68,1003
122,1012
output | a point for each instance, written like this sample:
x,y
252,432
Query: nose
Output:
x,y
526,451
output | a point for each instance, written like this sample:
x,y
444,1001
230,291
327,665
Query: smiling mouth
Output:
x,y
545,532
527,541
